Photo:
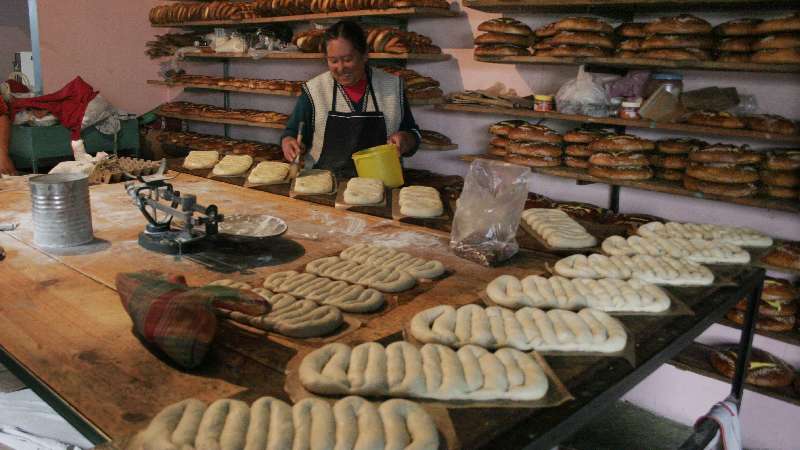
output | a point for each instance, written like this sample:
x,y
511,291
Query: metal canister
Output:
x,y
62,215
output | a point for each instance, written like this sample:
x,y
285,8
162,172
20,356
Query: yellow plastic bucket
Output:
x,y
381,162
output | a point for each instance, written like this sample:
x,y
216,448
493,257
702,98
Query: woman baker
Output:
x,y
349,108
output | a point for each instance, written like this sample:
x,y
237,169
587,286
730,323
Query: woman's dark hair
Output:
x,y
348,30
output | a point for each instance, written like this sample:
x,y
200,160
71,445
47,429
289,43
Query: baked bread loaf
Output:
x,y
696,250
621,173
765,369
770,123
781,178
715,119
431,137
725,154
646,268
777,56
633,45
534,133
741,236
526,329
733,57
681,24
668,174
557,229
675,54
667,161
722,173
388,258
498,141
735,45
680,145
621,144
632,30
351,422
607,294
576,162
781,192
721,189
777,324
573,51
538,149
501,50
783,161
583,211
619,160
785,40
658,41
578,151
433,371
505,25
581,38
582,136
737,27
778,290
779,25
623,54
502,128
497,151
583,24
533,161
546,31
503,38
785,254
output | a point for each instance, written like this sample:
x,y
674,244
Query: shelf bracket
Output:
x,y
613,199
226,96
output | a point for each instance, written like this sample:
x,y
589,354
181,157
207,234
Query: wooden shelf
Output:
x,y
515,112
789,337
695,358
643,63
667,187
245,123
589,6
317,56
426,101
332,16
438,148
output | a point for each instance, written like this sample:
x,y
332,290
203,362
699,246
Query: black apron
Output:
x,y
347,133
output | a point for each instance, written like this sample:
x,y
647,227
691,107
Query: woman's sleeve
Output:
x,y
408,124
303,112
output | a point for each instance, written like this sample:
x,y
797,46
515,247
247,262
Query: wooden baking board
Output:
x,y
328,199
432,222
439,148
557,250
557,393
380,209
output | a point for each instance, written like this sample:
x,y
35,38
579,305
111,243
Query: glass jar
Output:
x,y
615,104
672,81
630,109
543,103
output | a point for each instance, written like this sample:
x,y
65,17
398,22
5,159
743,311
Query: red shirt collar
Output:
x,y
356,92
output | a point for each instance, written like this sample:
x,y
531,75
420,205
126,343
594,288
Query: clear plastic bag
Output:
x,y
488,212
582,95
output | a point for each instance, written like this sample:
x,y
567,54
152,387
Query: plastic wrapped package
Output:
x,y
583,95
488,212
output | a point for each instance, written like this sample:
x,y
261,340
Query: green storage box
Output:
x,y
32,147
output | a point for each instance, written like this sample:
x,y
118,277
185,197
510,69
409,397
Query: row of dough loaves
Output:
x,y
351,423
744,237
557,228
605,294
697,250
433,371
650,269
526,329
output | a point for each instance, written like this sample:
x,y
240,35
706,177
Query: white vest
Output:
x,y
388,91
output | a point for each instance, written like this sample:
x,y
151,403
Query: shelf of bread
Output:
x,y
789,337
614,6
316,56
222,121
664,186
391,12
214,114
697,358
634,123
644,63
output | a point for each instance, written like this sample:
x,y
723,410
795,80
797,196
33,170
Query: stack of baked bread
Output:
x,y
379,40
418,86
188,12
621,157
498,144
534,146
240,83
196,141
765,369
776,310
721,169
763,41
167,44
780,174
768,123
574,37
785,254
670,161
683,37
576,152
503,36
326,6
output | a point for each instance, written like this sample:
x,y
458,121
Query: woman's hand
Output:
x,y
290,148
403,140
6,165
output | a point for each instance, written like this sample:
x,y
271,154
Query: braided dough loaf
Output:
x,y
351,423
744,237
376,255
363,191
347,297
233,165
201,159
420,201
380,278
434,371
227,282
608,294
557,228
650,269
697,250
525,329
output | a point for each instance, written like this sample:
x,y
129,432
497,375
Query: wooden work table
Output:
x,y
63,327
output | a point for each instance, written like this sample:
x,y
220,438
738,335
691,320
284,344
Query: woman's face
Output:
x,y
347,64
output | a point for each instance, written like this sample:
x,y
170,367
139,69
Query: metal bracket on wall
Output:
x,y
226,96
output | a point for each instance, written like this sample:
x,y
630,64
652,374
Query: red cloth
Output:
x,y
356,91
3,107
68,104
17,87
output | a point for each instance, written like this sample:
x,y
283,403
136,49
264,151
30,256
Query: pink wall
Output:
x,y
102,41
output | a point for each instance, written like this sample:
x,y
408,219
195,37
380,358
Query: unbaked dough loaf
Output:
x,y
347,297
351,423
227,282
233,165
608,294
697,250
363,191
201,159
420,201
744,237
434,371
315,182
267,172
557,228
377,277
376,255
526,329
651,269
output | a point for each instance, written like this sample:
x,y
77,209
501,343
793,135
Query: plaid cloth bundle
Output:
x,y
176,318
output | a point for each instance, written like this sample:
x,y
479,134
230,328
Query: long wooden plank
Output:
x,y
632,123
390,12
587,6
317,56
245,123
667,187
643,63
